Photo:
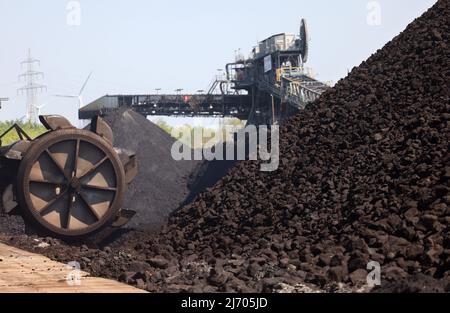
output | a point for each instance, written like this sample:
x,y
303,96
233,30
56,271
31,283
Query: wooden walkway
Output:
x,y
25,272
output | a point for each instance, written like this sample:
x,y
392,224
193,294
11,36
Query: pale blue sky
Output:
x,y
135,46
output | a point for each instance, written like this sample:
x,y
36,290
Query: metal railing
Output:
x,y
289,72
301,91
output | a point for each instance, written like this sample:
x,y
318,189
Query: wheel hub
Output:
x,y
75,184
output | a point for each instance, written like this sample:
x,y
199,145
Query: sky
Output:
x,y
135,46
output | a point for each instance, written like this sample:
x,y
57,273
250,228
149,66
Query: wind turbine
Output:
x,y
80,94
40,107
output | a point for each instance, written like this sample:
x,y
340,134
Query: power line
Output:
x,y
32,88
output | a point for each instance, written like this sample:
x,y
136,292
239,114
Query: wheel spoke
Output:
x,y
77,152
69,211
42,181
99,188
46,209
56,163
89,206
94,167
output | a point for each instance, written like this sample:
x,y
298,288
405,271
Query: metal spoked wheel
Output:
x,y
71,183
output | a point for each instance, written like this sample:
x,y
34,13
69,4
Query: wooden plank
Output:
x,y
25,272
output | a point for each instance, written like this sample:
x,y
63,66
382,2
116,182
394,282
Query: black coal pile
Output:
x,y
208,173
419,283
11,225
161,185
364,176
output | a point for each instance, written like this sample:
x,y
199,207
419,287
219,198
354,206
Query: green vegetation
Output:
x,y
208,133
33,130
